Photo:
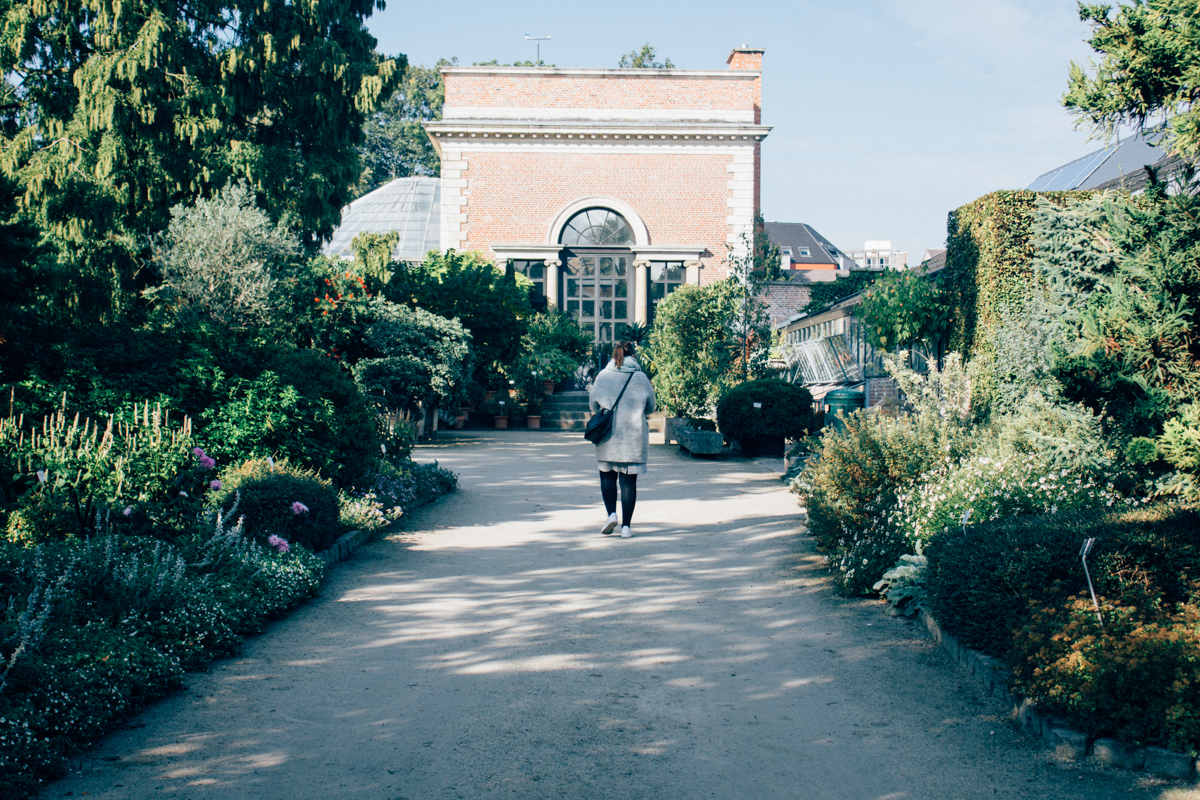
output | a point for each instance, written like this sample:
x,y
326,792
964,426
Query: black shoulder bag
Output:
x,y
600,425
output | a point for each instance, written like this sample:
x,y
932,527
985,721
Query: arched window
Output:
x,y
597,227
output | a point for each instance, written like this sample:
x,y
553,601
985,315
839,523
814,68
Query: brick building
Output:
x,y
607,187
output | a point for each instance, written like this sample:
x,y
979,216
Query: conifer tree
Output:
x,y
116,110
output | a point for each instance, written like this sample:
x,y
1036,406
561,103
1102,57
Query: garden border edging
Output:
x,y
1069,745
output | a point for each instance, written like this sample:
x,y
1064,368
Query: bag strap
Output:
x,y
622,394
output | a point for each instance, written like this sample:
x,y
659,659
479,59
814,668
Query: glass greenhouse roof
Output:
x,y
411,207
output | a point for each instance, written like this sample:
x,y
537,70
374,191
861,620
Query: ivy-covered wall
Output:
x,y
989,267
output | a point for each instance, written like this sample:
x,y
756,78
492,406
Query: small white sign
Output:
x,y
758,405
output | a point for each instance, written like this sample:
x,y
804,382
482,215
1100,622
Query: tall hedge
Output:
x,y
989,267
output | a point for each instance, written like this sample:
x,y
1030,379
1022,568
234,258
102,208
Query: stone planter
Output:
x,y
699,443
533,422
670,426
501,423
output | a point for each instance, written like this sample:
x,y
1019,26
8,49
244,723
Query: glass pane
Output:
x,y
537,270
657,292
606,309
588,290
622,310
606,266
595,227
674,272
656,270
572,306
620,264
574,265
589,265
606,290
606,332
572,287
621,290
589,308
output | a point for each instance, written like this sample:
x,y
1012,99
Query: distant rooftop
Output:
x,y
408,206
801,238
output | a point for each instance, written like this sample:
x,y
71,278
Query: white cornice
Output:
x,y
704,74
477,132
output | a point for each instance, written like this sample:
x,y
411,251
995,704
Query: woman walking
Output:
x,y
622,456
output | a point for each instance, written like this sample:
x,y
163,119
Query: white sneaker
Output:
x,y
611,525
626,533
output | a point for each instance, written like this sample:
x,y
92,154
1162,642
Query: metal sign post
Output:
x,y
1083,554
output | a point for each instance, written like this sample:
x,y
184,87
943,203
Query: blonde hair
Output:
x,y
620,350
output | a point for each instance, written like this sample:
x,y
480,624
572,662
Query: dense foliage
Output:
x,y
827,293
424,360
277,499
903,307
695,348
114,112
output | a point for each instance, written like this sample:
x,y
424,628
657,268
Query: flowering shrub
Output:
x,y
852,482
391,492
282,500
990,488
95,627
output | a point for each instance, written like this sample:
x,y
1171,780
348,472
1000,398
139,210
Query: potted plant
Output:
x,y
533,412
761,414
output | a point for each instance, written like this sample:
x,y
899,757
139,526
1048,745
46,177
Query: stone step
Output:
x,y
563,425
573,416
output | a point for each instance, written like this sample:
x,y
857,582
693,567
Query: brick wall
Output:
x,y
513,196
614,89
785,298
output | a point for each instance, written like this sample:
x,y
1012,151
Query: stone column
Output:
x,y
552,275
641,292
693,271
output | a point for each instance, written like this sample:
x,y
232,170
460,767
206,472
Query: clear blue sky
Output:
x,y
887,114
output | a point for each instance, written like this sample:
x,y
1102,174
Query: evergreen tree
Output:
x,y
1123,279
1149,68
116,110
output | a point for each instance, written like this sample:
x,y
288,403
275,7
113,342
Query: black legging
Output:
x,y
608,490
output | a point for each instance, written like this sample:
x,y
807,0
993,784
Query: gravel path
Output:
x,y
501,648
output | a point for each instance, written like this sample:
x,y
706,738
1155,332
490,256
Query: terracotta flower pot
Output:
x,y
548,387
501,423
534,423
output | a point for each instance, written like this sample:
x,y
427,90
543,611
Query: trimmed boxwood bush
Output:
x,y
269,498
984,582
785,411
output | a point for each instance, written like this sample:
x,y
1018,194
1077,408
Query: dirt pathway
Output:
x,y
502,648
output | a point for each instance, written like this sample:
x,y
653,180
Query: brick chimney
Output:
x,y
747,58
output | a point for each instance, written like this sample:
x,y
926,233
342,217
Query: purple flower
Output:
x,y
127,512
214,485
198,452
205,460
279,544
299,508
207,463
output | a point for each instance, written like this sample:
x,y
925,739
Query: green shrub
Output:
x,y
423,359
1180,447
278,499
554,329
984,581
765,409
306,408
703,424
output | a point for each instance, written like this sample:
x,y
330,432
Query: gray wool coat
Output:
x,y
630,438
